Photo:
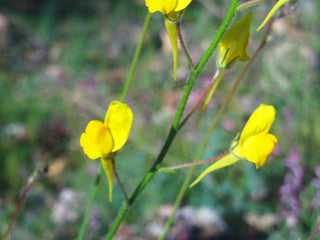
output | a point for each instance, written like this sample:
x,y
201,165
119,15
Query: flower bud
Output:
x,y
233,45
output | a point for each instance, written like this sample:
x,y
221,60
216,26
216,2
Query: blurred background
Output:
x,y
63,62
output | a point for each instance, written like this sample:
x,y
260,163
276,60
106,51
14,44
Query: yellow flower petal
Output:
x,y
108,169
182,4
257,148
233,45
166,6
96,141
119,120
259,122
223,162
255,142
163,6
272,12
172,33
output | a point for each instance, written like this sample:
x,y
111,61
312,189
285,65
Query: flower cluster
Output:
x,y
255,143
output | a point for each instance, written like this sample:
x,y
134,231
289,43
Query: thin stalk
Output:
x,y
249,4
193,163
183,46
34,178
186,182
14,215
173,131
135,58
210,95
122,99
204,94
316,233
93,194
118,180
180,196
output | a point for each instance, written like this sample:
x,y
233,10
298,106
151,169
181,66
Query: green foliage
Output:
x,y
66,60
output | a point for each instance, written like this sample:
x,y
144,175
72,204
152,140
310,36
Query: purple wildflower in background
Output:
x,y
290,190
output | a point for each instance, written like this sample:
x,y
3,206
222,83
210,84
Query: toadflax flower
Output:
x,y
102,140
255,143
167,7
233,45
172,11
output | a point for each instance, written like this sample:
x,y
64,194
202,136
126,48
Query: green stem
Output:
x,y
93,194
173,131
204,60
147,178
204,142
135,58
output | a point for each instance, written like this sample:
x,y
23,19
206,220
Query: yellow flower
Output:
x,y
233,45
255,144
102,140
166,6
272,12
172,10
